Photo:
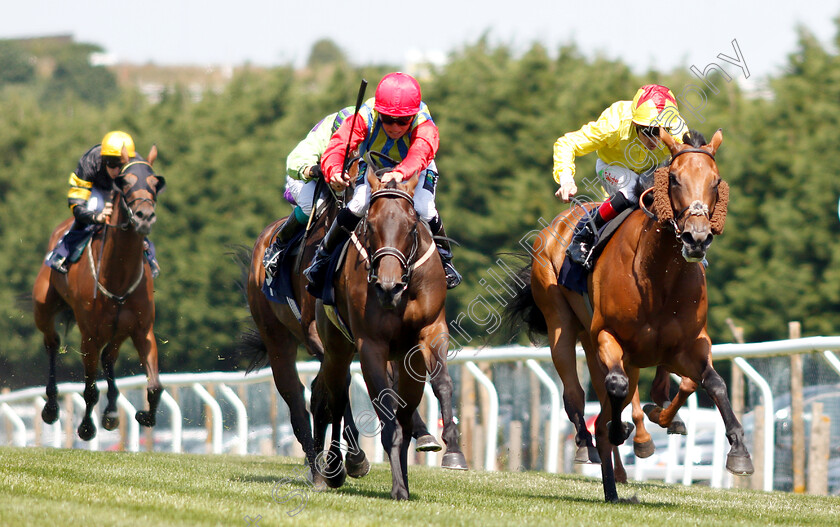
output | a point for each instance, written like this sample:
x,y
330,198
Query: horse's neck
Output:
x,y
122,253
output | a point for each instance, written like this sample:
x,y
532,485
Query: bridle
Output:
x,y
126,205
696,208
376,256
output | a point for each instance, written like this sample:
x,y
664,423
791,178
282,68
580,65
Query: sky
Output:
x,y
660,35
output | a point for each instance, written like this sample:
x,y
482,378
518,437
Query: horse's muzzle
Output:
x,y
389,294
695,245
144,221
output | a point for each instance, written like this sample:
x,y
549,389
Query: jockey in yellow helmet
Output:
x,y
626,140
88,198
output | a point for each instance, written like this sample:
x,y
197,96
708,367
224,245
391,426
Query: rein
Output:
x,y
120,299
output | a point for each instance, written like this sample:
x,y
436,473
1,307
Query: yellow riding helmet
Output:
x,y
655,105
113,143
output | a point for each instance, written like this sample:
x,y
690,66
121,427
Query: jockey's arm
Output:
x,y
332,162
425,141
308,152
590,138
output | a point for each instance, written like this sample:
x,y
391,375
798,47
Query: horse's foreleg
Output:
x,y
356,462
384,399
111,416
738,460
329,402
148,353
619,386
50,412
434,343
90,354
425,441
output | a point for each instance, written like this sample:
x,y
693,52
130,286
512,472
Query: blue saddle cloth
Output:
x,y
279,288
573,276
327,292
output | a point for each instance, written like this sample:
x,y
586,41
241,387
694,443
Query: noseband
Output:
x,y
376,256
126,205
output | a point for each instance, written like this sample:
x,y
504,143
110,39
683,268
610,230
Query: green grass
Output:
x,y
76,487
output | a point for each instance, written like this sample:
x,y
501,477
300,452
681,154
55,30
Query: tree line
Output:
x,y
499,114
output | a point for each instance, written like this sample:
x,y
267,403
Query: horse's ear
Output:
x,y
372,180
717,139
410,184
668,140
124,155
152,155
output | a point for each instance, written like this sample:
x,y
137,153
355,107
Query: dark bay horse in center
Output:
x,y
110,297
390,292
649,304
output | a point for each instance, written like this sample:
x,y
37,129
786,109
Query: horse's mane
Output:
x,y
662,200
694,138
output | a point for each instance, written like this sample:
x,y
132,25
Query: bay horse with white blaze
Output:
x,y
110,297
390,291
648,293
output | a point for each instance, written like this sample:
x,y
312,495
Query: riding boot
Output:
x,y
581,245
444,249
344,224
61,256
287,231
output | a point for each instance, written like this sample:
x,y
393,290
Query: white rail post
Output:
x,y
215,411
432,417
176,420
554,420
17,423
769,419
241,418
490,421
133,425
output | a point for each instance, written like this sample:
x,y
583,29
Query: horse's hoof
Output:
x,y
427,443
86,430
454,461
643,450
319,483
399,494
677,426
50,412
619,435
111,420
145,418
739,465
357,468
336,480
587,454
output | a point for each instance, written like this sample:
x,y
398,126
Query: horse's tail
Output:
x,y
522,308
241,254
251,347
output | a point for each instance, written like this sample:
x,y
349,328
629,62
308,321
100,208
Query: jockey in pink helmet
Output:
x,y
626,140
397,123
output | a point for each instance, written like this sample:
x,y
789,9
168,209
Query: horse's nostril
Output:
x,y
140,215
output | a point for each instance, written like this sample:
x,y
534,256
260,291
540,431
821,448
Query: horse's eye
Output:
x,y
672,180
717,183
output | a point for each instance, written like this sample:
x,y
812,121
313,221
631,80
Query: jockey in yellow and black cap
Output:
x,y
88,197
626,139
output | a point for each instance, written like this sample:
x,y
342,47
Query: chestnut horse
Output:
x,y
110,300
390,292
280,331
648,292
